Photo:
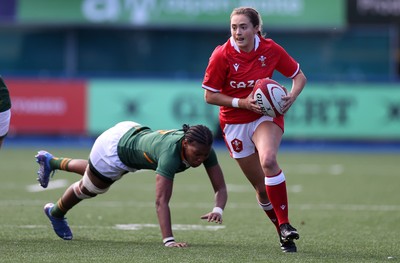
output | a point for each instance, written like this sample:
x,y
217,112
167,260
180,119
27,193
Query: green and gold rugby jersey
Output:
x,y
161,151
5,102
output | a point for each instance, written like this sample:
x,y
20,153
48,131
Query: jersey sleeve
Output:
x,y
287,66
167,166
215,74
211,160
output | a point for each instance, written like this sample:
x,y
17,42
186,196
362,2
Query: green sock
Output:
x,y
59,163
57,212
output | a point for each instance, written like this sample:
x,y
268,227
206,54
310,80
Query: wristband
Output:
x,y
218,210
235,102
168,241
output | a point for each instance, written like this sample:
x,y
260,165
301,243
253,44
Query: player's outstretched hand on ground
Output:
x,y
213,217
177,244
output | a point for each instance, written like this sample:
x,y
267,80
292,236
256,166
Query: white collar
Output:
x,y
235,46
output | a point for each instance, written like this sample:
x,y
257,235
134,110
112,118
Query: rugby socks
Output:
x,y
276,190
269,211
58,210
60,163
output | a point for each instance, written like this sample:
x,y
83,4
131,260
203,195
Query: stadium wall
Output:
x,y
323,111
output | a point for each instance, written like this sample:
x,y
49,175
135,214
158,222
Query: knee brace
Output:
x,y
92,189
78,192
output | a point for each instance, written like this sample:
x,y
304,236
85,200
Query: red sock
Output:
x,y
269,211
276,190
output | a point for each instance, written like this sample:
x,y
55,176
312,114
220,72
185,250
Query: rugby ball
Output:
x,y
268,95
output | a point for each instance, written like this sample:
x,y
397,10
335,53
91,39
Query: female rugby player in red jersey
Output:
x,y
253,139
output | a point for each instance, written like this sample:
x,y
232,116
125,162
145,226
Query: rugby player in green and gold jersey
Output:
x,y
5,111
128,147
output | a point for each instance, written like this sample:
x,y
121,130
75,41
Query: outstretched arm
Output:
x,y
163,195
221,195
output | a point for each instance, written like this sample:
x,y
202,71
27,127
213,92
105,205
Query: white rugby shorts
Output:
x,y
104,153
238,137
5,118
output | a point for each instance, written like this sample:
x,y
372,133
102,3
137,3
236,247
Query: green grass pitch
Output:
x,y
345,206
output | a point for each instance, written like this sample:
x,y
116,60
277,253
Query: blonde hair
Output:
x,y
252,14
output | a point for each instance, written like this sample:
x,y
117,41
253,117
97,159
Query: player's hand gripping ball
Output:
x,y
268,95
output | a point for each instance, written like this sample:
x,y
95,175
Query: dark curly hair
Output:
x,y
198,133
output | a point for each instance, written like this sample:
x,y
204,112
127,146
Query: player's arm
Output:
x,y
217,98
298,83
163,195
221,195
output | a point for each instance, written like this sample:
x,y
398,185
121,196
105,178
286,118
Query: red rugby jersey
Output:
x,y
234,73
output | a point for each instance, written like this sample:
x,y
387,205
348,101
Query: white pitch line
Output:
x,y
234,188
174,227
208,206
131,227
310,168
349,207
55,184
239,188
295,188
334,169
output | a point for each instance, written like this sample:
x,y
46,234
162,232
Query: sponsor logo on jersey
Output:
x,y
242,84
236,66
